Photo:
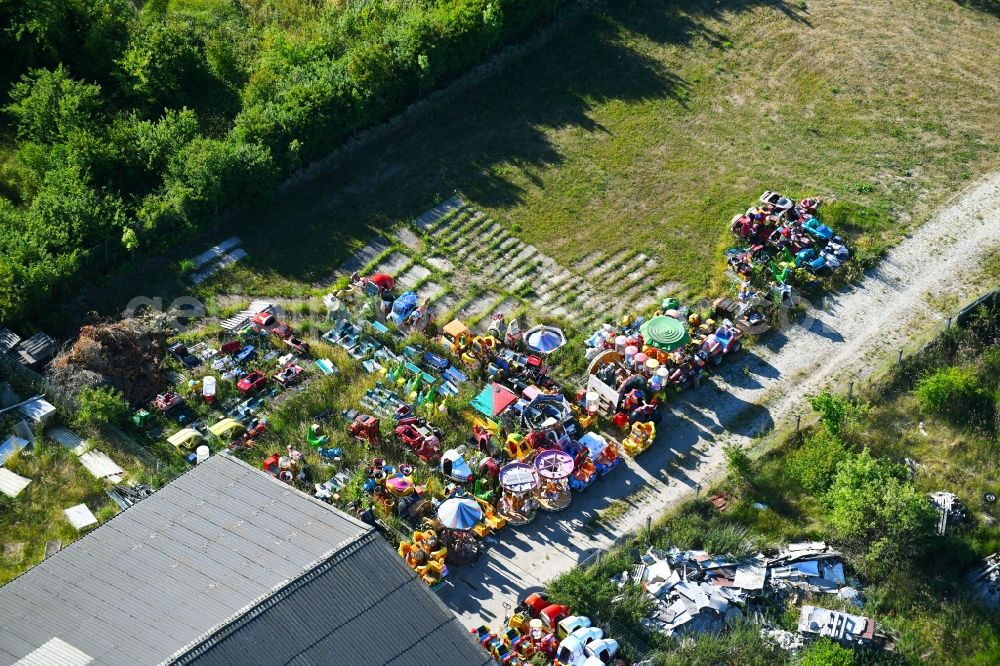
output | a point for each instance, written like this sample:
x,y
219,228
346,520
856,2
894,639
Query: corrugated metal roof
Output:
x,y
363,606
8,340
39,346
172,569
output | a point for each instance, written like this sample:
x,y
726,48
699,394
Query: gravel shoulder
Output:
x,y
842,338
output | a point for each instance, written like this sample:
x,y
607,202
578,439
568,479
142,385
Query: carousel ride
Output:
x,y
554,468
518,483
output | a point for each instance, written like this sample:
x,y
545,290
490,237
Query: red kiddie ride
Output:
x,y
251,382
365,428
167,401
536,605
421,437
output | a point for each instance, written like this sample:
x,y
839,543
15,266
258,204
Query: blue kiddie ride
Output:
x,y
809,259
403,307
819,230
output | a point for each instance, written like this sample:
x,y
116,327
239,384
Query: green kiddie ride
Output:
x,y
314,438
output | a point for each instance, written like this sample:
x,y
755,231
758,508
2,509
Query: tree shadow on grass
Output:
x,y
985,6
470,143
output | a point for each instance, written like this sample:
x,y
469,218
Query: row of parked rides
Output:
x,y
543,628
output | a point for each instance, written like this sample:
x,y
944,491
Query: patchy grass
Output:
x,y
646,125
58,481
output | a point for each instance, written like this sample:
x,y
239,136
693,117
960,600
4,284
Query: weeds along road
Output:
x,y
840,339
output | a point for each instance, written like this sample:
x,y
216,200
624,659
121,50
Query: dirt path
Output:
x,y
841,339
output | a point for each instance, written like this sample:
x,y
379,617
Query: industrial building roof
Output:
x,y
223,565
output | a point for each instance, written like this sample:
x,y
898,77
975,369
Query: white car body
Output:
x,y
600,652
570,624
572,649
780,202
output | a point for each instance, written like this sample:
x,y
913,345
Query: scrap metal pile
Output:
x,y
986,581
697,593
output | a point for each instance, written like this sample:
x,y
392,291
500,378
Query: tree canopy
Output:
x,y
133,125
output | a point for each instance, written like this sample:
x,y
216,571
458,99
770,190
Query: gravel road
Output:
x,y
841,339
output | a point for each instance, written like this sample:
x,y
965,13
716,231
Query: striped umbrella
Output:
x,y
664,333
460,513
544,339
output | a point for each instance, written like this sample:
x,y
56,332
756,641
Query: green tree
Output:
x,y
130,241
493,23
163,65
832,409
875,512
68,213
825,652
48,105
97,405
208,174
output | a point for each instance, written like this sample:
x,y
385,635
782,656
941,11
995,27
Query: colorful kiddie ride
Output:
x,y
459,516
541,628
456,336
554,468
725,340
538,606
586,646
747,315
603,452
585,472
518,447
251,381
186,438
167,401
315,438
365,428
640,438
518,484
289,374
455,466
288,468
425,553
523,639
422,438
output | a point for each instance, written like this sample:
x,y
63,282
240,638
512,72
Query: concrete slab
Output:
x,y
80,517
391,264
409,239
13,552
429,290
12,484
411,276
446,304
477,306
429,217
364,256
441,264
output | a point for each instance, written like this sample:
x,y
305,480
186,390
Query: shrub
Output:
x,y
741,468
954,393
106,512
876,513
814,464
740,643
97,405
